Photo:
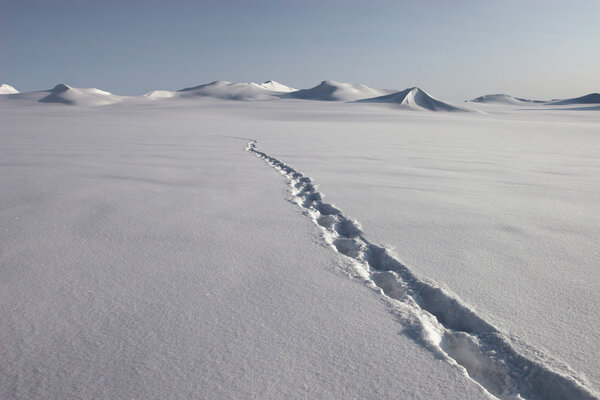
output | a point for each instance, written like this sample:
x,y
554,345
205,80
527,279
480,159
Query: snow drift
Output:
x,y
337,91
414,99
237,91
7,89
503,99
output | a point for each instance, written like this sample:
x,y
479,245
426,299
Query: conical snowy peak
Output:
x,y
337,91
60,88
414,99
7,89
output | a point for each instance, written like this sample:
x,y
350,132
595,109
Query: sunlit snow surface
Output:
x,y
145,254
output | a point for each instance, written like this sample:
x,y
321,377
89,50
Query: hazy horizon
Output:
x,y
456,51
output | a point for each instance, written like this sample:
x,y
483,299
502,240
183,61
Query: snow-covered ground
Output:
x,y
146,251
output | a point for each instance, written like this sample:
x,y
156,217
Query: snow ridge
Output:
x,y
436,319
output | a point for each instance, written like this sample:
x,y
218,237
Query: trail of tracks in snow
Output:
x,y
434,317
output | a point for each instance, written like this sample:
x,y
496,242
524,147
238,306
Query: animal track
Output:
x,y
435,318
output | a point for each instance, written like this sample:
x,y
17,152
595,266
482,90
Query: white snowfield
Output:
x,y
151,249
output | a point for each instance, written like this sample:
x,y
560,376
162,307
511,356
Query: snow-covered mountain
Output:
x,y
414,99
7,89
237,91
66,94
160,94
274,86
337,91
503,99
592,98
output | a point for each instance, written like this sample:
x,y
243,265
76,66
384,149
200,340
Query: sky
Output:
x,y
455,50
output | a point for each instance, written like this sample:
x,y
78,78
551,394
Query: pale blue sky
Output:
x,y
453,49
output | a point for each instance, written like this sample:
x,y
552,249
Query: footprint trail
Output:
x,y
435,318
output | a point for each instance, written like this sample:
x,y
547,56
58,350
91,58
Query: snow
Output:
x,y
419,255
414,99
337,91
237,91
592,98
7,89
499,209
62,93
503,99
430,314
65,94
275,87
160,94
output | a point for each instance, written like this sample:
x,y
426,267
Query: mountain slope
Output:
x,y
503,99
7,89
414,99
160,94
237,91
336,91
65,94
274,86
592,98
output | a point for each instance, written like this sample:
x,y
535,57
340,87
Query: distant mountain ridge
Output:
x,y
504,99
238,91
592,98
413,98
336,91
